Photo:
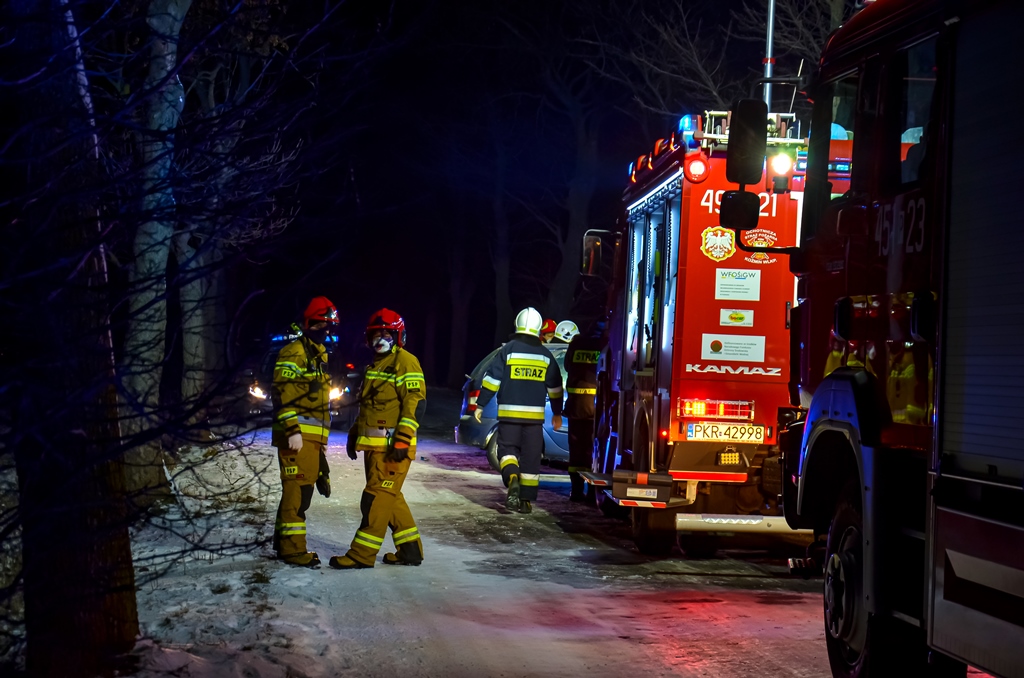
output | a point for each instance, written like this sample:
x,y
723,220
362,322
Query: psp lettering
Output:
x,y
729,369
529,373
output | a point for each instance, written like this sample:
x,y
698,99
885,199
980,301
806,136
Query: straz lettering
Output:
x,y
588,357
528,373
729,369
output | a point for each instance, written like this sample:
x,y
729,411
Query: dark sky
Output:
x,y
390,186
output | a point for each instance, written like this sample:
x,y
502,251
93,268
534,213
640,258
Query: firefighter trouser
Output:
x,y
383,506
299,471
520,447
581,444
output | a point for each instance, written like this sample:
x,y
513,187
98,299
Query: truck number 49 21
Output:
x,y
713,199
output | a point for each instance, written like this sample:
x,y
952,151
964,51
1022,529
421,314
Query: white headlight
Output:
x,y
335,393
782,163
257,392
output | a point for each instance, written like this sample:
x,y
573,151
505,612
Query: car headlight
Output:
x,y
335,393
257,392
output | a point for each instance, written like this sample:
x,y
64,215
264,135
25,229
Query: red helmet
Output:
x,y
320,310
386,319
548,327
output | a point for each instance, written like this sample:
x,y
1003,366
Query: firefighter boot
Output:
x,y
310,559
407,554
346,563
512,498
525,506
578,491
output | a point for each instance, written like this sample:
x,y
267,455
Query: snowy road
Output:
x,y
560,592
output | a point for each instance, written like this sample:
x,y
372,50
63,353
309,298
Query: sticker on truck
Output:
x,y
735,347
738,284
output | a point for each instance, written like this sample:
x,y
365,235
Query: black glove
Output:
x,y
323,482
350,443
398,452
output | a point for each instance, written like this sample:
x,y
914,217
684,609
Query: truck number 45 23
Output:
x,y
713,199
900,229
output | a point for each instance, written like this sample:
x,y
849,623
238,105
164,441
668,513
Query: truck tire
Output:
x,y
699,546
859,644
651,532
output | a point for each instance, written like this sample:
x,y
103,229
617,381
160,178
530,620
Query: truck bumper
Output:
x,y
734,524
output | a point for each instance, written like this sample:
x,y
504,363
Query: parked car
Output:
x,y
483,434
346,380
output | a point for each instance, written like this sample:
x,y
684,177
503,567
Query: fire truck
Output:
x,y
904,442
697,362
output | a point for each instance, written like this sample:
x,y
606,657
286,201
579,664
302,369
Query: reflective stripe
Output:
x,y
535,357
506,461
415,376
286,415
316,429
521,412
412,534
291,366
313,421
405,540
529,479
358,540
555,392
411,423
370,537
381,376
291,528
519,362
491,384
582,391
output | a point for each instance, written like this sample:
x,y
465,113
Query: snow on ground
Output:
x,y
498,594
559,592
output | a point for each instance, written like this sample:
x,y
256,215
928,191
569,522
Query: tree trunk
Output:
x,y
147,324
79,584
194,300
501,251
581,193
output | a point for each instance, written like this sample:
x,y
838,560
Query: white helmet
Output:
x,y
566,330
529,322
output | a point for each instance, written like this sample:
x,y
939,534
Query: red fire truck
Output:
x,y
697,362
905,440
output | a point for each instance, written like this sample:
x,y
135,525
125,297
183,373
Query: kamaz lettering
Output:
x,y
729,369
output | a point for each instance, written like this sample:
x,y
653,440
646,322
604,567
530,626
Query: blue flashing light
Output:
x,y
686,125
630,172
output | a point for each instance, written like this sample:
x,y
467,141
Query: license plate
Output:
x,y
725,433
642,492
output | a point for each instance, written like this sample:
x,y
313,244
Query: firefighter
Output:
x,y
581,360
547,331
565,331
521,374
391,405
302,420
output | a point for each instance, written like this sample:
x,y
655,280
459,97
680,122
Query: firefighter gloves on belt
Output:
x,y
295,442
323,481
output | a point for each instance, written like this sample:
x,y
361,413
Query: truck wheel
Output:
x,y
861,645
492,453
698,545
651,532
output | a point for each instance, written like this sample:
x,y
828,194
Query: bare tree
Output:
x,y
801,26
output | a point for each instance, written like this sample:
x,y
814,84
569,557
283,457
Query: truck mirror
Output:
x,y
739,210
748,141
592,261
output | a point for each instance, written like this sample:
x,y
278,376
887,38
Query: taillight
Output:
x,y
471,400
715,409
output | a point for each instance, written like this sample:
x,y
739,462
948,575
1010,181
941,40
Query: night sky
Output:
x,y
400,152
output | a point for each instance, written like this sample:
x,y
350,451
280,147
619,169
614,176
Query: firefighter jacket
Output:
x,y
391,402
581,376
521,374
301,393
